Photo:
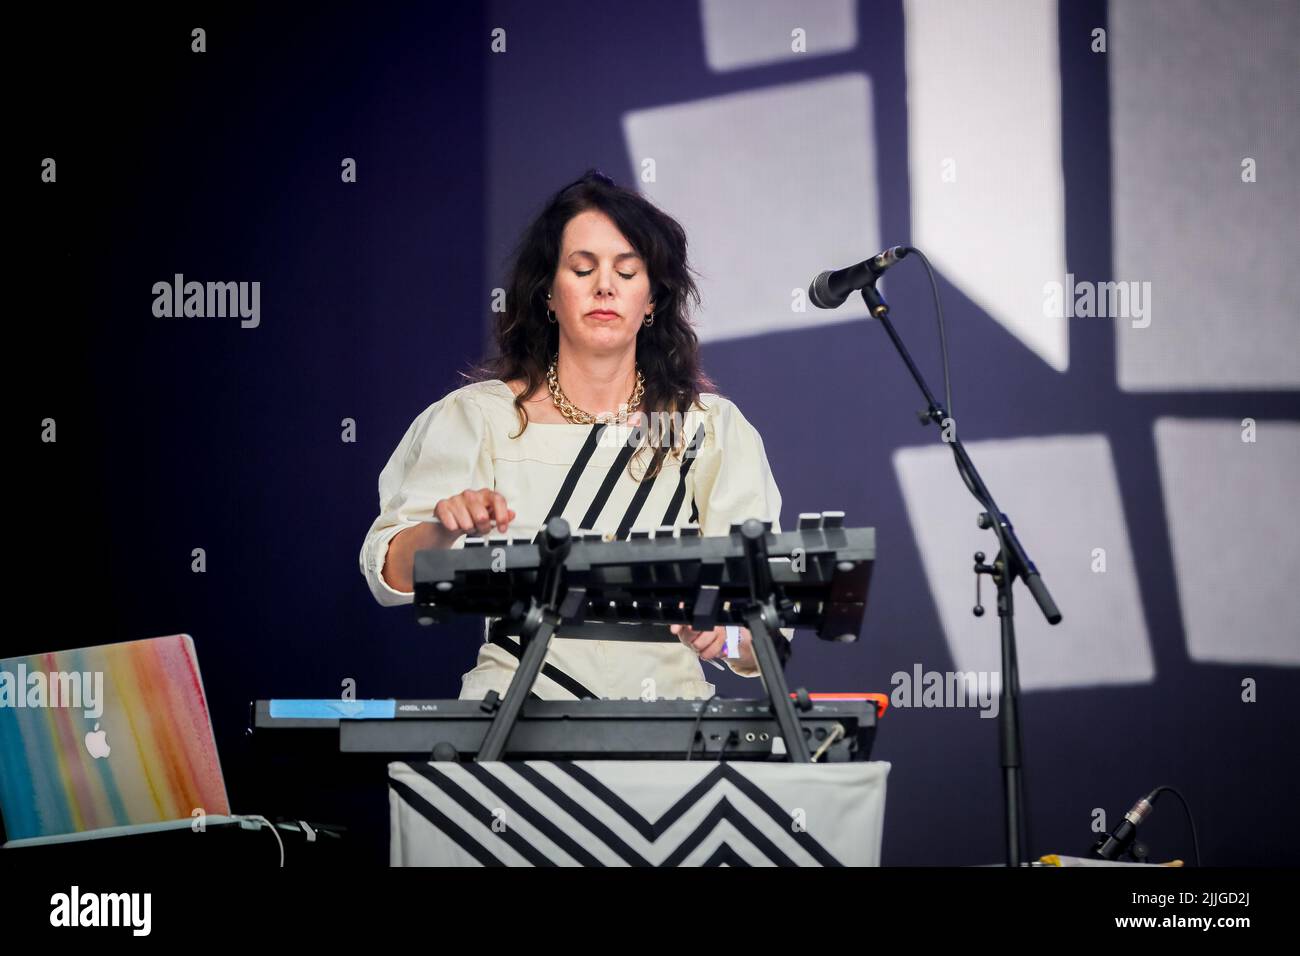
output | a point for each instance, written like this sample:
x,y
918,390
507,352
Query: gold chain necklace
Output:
x,y
576,415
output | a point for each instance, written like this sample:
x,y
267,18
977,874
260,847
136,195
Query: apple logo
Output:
x,y
97,744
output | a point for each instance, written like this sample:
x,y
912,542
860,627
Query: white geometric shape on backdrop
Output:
x,y
1235,538
746,33
984,158
1191,97
1062,496
772,186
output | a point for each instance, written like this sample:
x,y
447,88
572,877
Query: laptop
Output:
x,y
107,740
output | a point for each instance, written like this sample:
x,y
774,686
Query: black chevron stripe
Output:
x,y
679,495
724,855
511,798
634,506
611,479
594,826
575,472
482,814
444,824
550,670
652,831
649,831
724,810
807,842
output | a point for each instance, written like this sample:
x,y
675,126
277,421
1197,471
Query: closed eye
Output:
x,y
589,271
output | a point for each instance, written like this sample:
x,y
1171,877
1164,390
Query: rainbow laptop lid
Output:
x,y
106,737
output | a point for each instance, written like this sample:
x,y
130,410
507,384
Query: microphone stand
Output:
x,y
1011,562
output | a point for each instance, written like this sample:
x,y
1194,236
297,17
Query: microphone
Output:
x,y
1118,840
830,289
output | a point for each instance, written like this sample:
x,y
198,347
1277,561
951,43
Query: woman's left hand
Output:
x,y
709,645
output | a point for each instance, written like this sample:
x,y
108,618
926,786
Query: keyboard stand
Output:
x,y
762,620
542,619
539,624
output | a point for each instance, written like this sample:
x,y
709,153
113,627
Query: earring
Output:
x,y
550,316
649,321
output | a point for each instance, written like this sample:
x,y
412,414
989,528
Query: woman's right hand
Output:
x,y
471,512
465,513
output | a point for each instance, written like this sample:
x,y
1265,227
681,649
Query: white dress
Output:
x,y
463,442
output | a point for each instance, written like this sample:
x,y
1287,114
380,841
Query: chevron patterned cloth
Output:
x,y
636,813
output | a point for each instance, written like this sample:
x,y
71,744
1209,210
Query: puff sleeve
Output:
x,y
444,452
734,480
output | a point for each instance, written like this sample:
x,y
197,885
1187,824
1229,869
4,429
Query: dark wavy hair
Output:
x,y
668,351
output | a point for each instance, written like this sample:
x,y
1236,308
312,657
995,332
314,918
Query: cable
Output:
x,y
943,335
835,735
947,391
722,751
994,515
699,720
274,832
1196,848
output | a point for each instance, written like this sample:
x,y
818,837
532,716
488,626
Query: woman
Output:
x,y
595,335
